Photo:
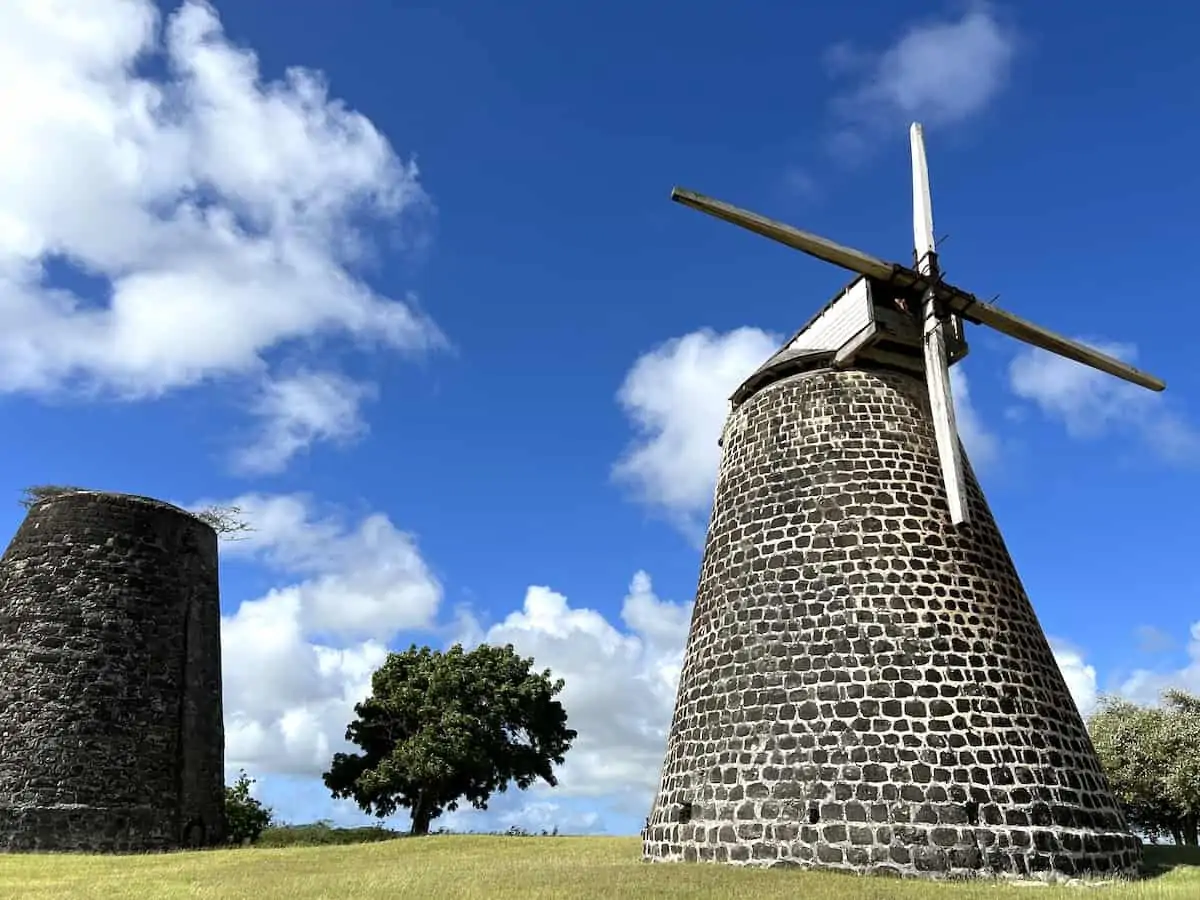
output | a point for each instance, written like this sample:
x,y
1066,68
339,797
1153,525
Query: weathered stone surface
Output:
x,y
864,683
111,737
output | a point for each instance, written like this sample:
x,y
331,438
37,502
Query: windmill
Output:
x,y
866,686
942,309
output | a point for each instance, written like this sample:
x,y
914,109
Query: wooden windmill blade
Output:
x,y
812,244
962,303
937,366
975,310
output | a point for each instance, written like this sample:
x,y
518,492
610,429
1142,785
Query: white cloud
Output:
x,y
620,685
1091,404
523,811
981,444
290,695
218,211
1153,640
367,581
800,182
939,72
1142,686
1147,685
1079,675
677,398
287,700
297,659
299,410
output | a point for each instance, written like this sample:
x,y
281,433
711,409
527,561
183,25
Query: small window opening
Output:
x,y
814,815
685,813
972,812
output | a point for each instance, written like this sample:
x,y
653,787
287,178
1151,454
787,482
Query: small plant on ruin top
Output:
x,y
226,521
40,492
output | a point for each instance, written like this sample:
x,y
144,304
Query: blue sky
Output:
x,y
405,285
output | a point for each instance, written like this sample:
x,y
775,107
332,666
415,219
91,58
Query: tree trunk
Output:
x,y
422,815
1190,829
1176,833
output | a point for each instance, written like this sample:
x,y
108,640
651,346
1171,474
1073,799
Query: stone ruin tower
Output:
x,y
111,735
865,686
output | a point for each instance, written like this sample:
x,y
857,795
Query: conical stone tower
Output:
x,y
866,687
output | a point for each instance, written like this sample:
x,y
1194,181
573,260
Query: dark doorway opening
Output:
x,y
193,834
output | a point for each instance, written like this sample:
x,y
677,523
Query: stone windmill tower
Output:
x,y
111,734
866,686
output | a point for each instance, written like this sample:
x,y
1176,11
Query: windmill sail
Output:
x,y
959,301
812,244
937,367
974,310
923,242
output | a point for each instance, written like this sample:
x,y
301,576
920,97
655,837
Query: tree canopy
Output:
x,y
1151,755
440,728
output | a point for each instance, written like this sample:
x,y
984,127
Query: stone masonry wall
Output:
x,y
111,735
865,687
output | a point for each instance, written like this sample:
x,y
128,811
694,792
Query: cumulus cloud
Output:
x,y
298,410
1147,685
521,810
1079,675
1153,640
620,684
980,442
939,72
367,580
294,664
1143,686
1091,404
216,215
297,659
676,397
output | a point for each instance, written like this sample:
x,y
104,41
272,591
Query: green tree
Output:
x,y
440,728
245,817
1151,755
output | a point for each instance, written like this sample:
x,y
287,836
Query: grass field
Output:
x,y
467,866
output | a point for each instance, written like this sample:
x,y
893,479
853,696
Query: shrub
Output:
x,y
318,833
245,817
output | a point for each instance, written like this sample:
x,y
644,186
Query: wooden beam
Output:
x,y
1005,322
941,407
959,301
971,308
923,242
852,347
813,245
937,371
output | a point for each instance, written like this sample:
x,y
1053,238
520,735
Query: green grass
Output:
x,y
486,866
